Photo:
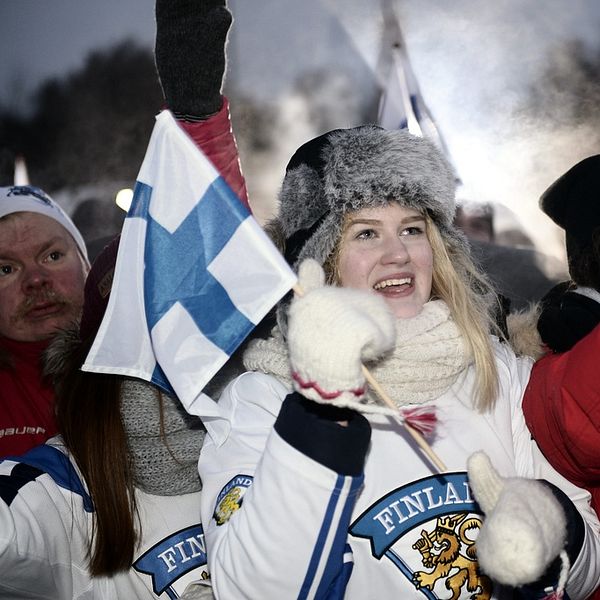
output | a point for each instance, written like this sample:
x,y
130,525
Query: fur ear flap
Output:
x,y
523,334
62,351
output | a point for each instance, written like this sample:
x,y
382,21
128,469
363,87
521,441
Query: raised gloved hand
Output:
x,y
525,526
331,330
190,54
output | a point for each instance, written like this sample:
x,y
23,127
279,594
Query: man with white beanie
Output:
x,y
43,265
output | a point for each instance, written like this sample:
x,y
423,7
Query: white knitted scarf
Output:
x,y
430,354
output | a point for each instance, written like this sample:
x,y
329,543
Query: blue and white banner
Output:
x,y
194,274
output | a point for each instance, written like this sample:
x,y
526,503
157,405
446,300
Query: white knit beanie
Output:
x,y
27,198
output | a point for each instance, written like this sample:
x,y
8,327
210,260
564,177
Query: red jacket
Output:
x,y
26,400
215,138
562,410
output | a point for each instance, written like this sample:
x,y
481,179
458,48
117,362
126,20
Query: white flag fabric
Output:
x,y
194,274
401,105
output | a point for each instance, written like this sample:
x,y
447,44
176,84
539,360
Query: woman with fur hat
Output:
x,y
312,489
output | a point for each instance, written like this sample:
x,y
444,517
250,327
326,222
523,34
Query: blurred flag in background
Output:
x,y
401,104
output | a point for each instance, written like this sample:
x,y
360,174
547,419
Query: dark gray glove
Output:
x,y
190,54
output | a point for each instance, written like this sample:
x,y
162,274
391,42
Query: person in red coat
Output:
x,y
43,264
562,411
562,401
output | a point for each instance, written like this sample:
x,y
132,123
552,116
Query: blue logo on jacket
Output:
x,y
172,558
411,506
230,498
428,530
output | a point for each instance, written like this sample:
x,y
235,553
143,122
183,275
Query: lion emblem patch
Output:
x,y
230,498
428,530
442,552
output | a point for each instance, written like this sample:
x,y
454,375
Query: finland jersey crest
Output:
x,y
230,498
427,529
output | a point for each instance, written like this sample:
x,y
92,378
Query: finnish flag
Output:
x,y
194,274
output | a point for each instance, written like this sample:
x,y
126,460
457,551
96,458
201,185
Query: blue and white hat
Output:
x,y
27,198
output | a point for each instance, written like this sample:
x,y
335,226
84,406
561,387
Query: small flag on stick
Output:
x,y
194,274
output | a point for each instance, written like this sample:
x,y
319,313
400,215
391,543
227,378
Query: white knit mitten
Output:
x,y
524,528
331,330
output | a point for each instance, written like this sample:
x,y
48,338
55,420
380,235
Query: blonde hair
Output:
x,y
469,296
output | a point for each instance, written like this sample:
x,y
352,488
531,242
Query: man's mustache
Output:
x,y
42,297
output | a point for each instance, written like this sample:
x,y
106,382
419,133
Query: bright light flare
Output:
x,y
123,199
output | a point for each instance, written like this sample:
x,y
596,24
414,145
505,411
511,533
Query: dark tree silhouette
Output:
x,y
568,92
93,125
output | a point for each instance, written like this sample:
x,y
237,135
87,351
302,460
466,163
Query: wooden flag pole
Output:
x,y
417,437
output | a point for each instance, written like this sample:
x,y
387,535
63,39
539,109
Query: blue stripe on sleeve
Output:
x,y
335,575
47,459
334,569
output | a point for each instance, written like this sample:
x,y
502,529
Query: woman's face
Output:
x,y
386,250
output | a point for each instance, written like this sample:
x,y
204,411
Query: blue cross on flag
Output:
x,y
194,274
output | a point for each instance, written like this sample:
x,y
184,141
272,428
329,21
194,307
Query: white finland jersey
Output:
x,y
45,519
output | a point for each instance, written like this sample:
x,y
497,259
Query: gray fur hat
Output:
x,y
346,170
